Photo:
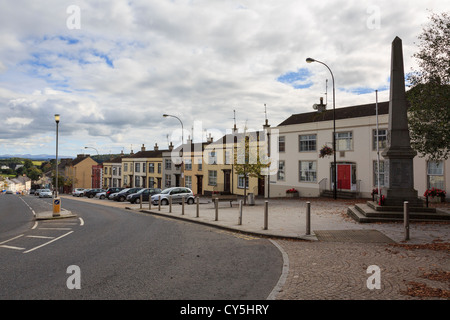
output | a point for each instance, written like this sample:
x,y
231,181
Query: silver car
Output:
x,y
176,193
45,193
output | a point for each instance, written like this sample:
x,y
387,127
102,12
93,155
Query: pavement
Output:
x,y
329,256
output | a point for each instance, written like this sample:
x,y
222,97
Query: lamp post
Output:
x,y
182,142
56,200
310,60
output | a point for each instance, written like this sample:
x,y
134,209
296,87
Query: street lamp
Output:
x,y
56,200
310,60
182,141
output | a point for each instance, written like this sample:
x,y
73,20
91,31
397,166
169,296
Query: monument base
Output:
x,y
396,197
371,212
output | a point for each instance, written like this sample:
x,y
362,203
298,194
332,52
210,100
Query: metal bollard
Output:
x,y
170,204
240,213
159,203
216,204
150,202
266,214
198,207
308,218
406,219
140,201
182,205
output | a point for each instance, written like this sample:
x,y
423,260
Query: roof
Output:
x,y
341,113
146,154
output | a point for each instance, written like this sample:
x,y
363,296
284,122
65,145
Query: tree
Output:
x,y
247,159
429,97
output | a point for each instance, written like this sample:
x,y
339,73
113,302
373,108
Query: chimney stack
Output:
x,y
143,148
156,147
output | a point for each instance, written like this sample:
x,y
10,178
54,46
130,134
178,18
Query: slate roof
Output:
x,y
341,113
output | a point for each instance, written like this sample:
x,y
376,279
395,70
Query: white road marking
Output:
x,y
35,225
44,244
11,239
40,237
11,247
81,221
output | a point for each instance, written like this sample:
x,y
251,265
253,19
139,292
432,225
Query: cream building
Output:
x,y
301,136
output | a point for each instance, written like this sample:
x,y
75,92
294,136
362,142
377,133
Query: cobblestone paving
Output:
x,y
338,271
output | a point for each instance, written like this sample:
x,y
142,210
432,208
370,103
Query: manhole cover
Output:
x,y
366,236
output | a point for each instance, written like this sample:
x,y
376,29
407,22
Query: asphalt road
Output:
x,y
120,254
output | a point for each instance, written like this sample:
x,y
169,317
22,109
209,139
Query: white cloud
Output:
x,y
132,61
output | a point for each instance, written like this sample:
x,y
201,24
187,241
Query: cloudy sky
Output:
x,y
111,69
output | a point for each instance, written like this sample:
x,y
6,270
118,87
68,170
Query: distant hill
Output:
x,y
33,156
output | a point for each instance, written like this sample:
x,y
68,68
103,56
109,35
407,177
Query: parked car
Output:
x,y
36,193
78,192
122,195
145,193
92,192
101,195
177,193
45,193
110,191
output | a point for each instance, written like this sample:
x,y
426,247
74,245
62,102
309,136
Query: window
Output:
x,y
188,181
188,164
307,142
281,144
151,182
382,139
375,176
106,170
212,177
200,164
281,173
212,157
151,167
159,167
228,157
241,181
308,171
435,174
137,167
344,141
114,171
144,167
167,164
125,167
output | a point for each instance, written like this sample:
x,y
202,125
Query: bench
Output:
x,y
225,197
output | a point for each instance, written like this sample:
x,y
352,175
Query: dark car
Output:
x,y
145,193
110,191
92,192
122,195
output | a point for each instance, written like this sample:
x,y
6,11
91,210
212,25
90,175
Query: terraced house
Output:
x,y
300,166
143,169
221,157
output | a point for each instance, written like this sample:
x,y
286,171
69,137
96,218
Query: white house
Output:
x,y
301,136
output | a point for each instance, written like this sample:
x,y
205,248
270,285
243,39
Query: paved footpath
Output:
x,y
340,259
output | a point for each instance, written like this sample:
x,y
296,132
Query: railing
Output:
x,y
323,185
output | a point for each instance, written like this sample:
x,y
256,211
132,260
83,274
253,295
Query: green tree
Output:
x,y
429,97
248,160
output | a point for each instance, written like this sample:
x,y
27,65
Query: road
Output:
x,y
113,253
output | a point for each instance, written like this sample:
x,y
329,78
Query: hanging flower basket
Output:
x,y
326,151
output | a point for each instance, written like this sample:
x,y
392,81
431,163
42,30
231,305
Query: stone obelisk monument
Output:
x,y
398,155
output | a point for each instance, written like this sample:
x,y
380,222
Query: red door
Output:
x,y
344,176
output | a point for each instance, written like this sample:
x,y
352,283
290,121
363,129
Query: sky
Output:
x,y
111,69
